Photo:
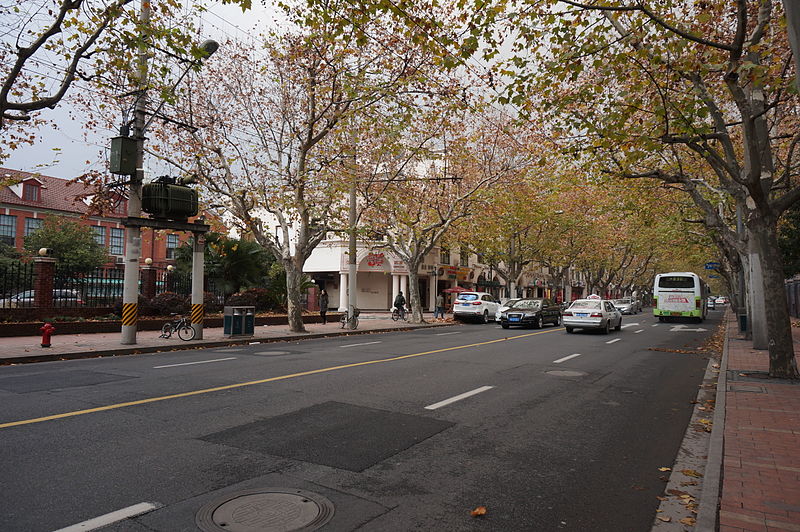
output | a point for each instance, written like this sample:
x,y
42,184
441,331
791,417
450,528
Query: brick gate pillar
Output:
x,y
45,271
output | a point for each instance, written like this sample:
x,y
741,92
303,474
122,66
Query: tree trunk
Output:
x,y
294,304
757,326
413,294
782,363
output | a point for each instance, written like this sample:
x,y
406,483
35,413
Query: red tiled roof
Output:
x,y
56,194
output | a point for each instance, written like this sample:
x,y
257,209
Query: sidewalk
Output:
x,y
760,470
23,349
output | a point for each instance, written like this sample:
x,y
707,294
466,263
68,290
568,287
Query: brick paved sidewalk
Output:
x,y
761,465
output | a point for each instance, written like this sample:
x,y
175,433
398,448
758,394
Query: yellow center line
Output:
x,y
260,381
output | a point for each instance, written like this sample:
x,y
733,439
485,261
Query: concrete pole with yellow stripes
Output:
x,y
133,236
198,271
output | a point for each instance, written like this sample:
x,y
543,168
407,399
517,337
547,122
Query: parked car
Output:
x,y
722,300
712,303
61,298
475,305
504,306
626,305
531,313
592,314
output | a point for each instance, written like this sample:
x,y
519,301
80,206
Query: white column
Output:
x,y
342,292
395,287
404,285
432,292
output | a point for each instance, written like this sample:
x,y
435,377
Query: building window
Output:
x,y
30,192
117,241
8,229
172,245
32,225
464,256
120,206
99,234
444,256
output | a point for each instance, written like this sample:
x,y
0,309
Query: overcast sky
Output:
x,y
64,152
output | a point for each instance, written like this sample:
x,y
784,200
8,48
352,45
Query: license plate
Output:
x,y
581,314
513,318
674,313
466,304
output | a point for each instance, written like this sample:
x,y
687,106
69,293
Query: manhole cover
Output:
x,y
566,373
273,353
265,510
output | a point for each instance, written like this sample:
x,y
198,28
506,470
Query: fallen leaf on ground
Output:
x,y
660,498
664,518
639,488
480,510
688,521
665,469
691,473
678,493
689,483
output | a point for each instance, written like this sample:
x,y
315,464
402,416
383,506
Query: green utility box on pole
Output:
x,y
238,321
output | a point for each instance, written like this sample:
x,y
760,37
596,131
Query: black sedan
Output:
x,y
531,313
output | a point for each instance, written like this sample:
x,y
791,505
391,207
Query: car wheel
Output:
x,y
485,316
607,327
504,325
568,329
619,325
538,323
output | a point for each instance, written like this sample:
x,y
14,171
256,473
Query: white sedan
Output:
x,y
592,314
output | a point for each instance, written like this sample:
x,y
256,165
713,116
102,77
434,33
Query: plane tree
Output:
x,y
647,91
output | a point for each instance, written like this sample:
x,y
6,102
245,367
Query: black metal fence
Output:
x,y
16,284
100,287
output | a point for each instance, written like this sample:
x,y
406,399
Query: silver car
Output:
x,y
625,305
592,314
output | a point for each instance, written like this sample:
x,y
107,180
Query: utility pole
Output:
x,y
133,235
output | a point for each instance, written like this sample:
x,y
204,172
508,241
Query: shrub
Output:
x,y
166,303
212,302
145,308
261,298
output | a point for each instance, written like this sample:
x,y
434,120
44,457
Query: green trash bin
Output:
x,y
238,321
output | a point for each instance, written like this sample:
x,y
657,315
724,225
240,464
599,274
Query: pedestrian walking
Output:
x,y
439,311
323,306
400,304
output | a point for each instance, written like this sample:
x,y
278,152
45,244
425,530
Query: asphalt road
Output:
x,y
556,431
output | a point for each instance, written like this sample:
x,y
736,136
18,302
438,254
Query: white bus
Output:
x,y
680,294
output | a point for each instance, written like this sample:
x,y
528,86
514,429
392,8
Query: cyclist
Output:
x,y
400,305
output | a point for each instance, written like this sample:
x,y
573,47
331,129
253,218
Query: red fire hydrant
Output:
x,y
47,331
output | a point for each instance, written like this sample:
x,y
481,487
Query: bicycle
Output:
x,y
397,315
181,326
350,321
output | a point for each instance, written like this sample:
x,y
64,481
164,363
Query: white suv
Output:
x,y
475,305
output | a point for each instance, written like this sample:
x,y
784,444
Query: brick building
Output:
x,y
24,205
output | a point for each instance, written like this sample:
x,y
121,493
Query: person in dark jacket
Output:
x,y
323,306
400,304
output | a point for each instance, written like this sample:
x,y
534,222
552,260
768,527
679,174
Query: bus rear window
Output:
x,y
676,282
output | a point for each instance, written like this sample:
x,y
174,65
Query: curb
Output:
x,y
707,514
186,346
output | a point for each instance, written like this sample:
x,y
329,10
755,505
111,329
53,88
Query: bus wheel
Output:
x,y
661,318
